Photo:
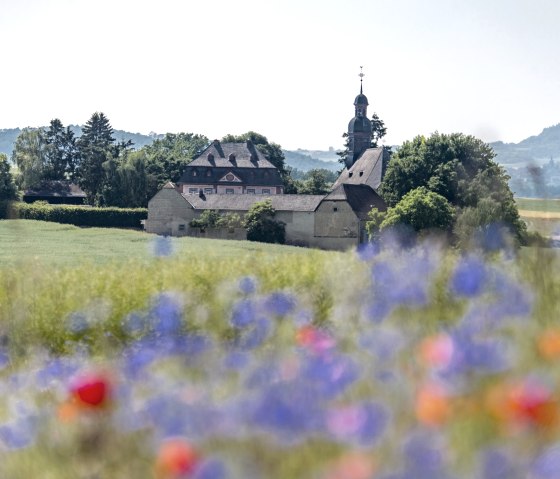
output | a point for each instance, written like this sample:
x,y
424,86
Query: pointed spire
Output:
x,y
361,75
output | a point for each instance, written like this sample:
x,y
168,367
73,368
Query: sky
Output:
x,y
288,69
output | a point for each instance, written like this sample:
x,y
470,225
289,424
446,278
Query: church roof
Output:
x,y
367,170
361,198
361,99
359,124
307,203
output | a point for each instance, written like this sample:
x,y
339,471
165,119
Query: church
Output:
x,y
231,177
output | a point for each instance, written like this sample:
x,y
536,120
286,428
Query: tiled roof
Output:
x,y
367,170
244,202
244,160
246,155
361,198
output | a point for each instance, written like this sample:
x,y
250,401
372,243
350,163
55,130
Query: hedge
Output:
x,y
75,215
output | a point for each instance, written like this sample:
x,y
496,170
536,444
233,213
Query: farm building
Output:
x,y
231,177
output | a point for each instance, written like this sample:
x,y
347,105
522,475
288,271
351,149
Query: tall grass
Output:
x,y
271,361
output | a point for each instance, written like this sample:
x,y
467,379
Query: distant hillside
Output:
x,y
544,146
306,160
8,138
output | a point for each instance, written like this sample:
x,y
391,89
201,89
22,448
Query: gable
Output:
x,y
230,177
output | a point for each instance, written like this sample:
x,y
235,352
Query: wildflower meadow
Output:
x,y
390,362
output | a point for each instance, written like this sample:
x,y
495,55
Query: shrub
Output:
x,y
261,225
76,215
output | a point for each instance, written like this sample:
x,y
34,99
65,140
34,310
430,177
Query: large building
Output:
x,y
231,177
231,169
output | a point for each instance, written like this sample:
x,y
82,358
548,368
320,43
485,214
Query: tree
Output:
x,y
261,226
458,167
8,190
96,146
29,155
421,209
378,129
315,184
61,152
272,151
167,157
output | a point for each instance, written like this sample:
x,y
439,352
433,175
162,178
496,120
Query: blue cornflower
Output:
x,y
243,313
330,375
547,464
162,246
248,285
210,469
496,464
362,423
279,304
19,434
167,313
368,251
469,278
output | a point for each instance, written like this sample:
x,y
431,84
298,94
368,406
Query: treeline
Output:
x,y
113,173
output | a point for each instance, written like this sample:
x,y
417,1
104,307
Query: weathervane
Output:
x,y
361,75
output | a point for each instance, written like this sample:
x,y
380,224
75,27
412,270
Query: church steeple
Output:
x,y
359,128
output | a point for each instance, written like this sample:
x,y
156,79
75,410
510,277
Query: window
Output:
x,y
193,191
209,173
194,173
250,191
361,173
181,227
230,191
266,192
350,175
230,177
335,209
208,191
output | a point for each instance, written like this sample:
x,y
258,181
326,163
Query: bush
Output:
x,y
76,215
261,226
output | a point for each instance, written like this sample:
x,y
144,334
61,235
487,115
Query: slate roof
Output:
x,y
60,189
244,160
361,198
307,203
367,170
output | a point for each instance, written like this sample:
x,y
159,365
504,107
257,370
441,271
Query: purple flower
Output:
x,y
362,423
254,336
248,285
210,469
167,313
547,464
330,375
495,464
469,278
288,410
237,360
19,434
279,304
162,246
243,313
368,251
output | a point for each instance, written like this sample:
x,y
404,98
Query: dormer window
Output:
x,y
194,173
361,173
231,157
210,157
350,174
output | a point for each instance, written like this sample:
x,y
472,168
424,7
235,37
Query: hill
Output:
x,y
544,146
8,137
305,160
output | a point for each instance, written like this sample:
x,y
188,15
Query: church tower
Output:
x,y
359,128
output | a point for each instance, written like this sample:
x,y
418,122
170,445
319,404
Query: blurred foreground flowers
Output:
x,y
437,368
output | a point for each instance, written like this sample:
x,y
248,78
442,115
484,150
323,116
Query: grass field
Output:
x,y
538,204
203,359
58,244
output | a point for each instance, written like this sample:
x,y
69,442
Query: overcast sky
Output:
x,y
287,69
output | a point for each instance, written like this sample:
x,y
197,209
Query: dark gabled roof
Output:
x,y
204,175
59,189
367,170
361,198
245,155
307,203
244,160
